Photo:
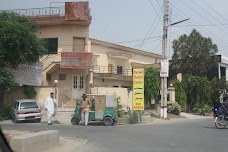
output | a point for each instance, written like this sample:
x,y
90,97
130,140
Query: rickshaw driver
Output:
x,y
85,108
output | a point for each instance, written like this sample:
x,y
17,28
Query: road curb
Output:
x,y
36,142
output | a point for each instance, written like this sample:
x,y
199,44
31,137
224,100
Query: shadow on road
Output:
x,y
213,128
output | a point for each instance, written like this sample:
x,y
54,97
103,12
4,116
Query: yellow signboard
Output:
x,y
138,89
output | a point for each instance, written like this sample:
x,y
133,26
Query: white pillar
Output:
x,y
91,80
219,71
226,73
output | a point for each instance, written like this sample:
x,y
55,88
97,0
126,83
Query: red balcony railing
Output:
x,y
118,70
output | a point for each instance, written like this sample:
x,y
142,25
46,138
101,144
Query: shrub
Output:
x,y
201,109
133,118
93,104
180,94
174,108
120,109
5,113
30,92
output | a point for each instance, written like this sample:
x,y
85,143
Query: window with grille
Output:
x,y
78,44
62,76
75,82
168,96
51,45
81,82
119,69
48,77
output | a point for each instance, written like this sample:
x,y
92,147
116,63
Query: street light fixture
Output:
x,y
56,82
91,85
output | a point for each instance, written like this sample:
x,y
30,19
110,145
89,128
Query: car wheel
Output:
x,y
75,121
15,120
108,121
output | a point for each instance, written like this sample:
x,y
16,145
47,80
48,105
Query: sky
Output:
x,y
138,23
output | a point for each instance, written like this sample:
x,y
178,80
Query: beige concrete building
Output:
x,y
66,29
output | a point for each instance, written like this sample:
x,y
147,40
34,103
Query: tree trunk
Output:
x,y
1,99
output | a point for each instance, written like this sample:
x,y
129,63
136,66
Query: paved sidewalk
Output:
x,y
64,117
192,116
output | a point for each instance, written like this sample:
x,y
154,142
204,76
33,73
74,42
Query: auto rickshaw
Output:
x,y
104,108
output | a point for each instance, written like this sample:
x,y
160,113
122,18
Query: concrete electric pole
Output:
x,y
163,111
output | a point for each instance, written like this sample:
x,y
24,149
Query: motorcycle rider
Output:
x,y
216,108
225,105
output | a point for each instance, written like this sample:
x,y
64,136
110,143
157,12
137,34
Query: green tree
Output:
x,y
193,54
152,84
198,91
18,45
218,87
29,91
180,95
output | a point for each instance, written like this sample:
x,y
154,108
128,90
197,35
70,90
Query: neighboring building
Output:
x,y
221,69
66,30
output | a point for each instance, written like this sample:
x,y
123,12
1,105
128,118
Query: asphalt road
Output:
x,y
170,136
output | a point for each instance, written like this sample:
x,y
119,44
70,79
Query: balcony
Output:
x,y
111,71
46,11
72,12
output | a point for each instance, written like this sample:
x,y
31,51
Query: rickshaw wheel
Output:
x,y
108,121
75,121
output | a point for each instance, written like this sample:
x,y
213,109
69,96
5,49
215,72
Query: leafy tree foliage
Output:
x,y
193,54
152,84
18,41
18,45
180,95
198,91
29,91
7,81
218,87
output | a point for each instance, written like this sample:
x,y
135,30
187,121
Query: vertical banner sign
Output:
x,y
164,68
138,89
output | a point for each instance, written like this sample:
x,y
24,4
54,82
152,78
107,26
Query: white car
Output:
x,y
26,109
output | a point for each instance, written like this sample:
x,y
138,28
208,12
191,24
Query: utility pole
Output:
x,y
163,111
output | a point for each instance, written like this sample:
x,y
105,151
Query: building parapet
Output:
x,y
45,11
72,11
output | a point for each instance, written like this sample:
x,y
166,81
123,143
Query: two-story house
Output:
x,y
65,31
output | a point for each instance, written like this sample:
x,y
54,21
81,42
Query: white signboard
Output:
x,y
164,68
29,74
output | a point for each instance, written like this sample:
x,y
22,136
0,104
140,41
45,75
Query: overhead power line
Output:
x,y
160,5
201,15
215,10
153,7
137,40
203,25
222,43
157,39
203,29
148,32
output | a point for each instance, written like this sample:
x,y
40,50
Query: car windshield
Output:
x,y
28,105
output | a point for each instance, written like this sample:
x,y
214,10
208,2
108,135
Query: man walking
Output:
x,y
50,105
85,108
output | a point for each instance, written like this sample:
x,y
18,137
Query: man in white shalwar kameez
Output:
x,y
50,105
